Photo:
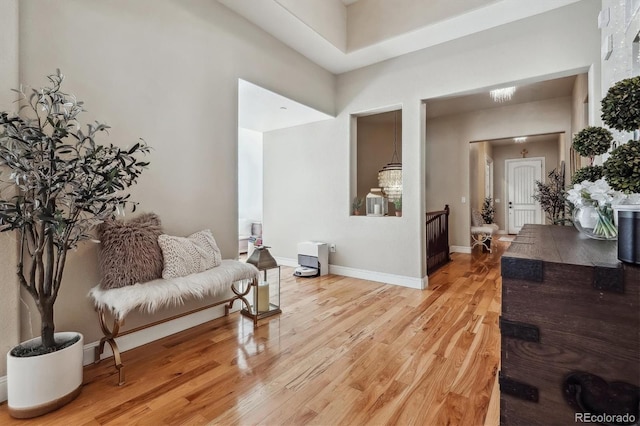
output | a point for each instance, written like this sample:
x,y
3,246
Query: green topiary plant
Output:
x,y
590,173
622,168
621,105
621,111
592,141
60,184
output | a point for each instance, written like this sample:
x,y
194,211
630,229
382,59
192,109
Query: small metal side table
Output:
x,y
266,291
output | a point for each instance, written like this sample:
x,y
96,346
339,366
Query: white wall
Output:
x,y
579,120
166,71
9,305
311,164
624,26
250,171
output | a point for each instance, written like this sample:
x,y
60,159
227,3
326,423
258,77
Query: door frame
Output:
x,y
506,186
488,176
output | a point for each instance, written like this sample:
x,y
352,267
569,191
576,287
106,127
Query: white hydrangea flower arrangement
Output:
x,y
599,196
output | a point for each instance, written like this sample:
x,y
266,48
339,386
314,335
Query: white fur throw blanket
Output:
x,y
154,295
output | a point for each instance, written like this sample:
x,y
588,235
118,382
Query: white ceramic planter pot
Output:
x,y
40,384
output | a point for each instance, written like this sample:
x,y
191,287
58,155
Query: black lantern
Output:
x,y
266,291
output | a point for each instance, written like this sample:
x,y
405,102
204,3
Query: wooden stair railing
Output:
x,y
437,239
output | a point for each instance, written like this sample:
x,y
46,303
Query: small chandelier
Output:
x,y
502,95
390,176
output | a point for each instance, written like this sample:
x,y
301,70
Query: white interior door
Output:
x,y
521,184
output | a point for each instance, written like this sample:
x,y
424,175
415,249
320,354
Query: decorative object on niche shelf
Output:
x,y
266,292
390,176
398,205
356,204
376,203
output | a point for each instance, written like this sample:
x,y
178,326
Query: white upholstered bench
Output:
x,y
482,235
158,294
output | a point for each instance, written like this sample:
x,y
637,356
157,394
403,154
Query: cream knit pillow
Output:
x,y
183,256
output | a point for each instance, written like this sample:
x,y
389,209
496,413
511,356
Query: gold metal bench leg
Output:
x,y
109,337
240,296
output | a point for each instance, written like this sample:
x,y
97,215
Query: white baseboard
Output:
x,y
401,280
150,334
460,249
285,261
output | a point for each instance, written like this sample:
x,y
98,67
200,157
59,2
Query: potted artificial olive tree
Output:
x,y
56,183
621,111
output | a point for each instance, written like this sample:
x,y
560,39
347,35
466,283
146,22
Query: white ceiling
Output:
x,y
532,92
530,139
261,110
324,41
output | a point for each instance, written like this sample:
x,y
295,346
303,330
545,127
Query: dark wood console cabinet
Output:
x,y
570,329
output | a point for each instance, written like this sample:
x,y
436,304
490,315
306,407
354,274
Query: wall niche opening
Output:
x,y
378,138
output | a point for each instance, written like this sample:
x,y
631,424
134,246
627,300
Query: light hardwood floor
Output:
x,y
343,352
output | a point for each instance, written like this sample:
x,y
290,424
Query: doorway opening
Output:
x,y
521,177
260,111
505,171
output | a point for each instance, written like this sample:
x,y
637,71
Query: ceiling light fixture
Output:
x,y
390,177
502,95
520,139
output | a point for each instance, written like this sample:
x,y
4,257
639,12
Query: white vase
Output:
x,y
40,384
586,215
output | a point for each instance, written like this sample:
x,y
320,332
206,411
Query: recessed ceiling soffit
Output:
x,y
341,35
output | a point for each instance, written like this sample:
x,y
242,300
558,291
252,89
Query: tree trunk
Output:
x,y
47,327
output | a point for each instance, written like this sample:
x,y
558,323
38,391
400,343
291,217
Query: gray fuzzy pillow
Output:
x,y
129,251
